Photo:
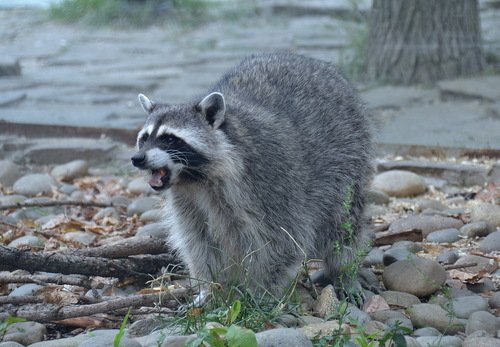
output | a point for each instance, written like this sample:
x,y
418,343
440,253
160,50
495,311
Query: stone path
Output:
x,y
75,75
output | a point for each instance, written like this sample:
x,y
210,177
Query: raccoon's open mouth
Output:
x,y
160,178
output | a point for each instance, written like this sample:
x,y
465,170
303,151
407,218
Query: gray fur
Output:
x,y
293,142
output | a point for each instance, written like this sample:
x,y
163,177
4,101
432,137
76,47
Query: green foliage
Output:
x,y
123,325
4,325
234,336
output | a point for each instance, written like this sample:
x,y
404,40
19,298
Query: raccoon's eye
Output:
x,y
167,139
143,139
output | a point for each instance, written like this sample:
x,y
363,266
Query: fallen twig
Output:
x,y
143,266
19,300
65,312
42,279
59,203
124,248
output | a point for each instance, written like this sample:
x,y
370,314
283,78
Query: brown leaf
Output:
x,y
88,322
388,238
58,295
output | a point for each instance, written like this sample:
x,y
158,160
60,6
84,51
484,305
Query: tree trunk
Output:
x,y
422,41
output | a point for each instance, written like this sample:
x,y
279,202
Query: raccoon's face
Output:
x,y
174,144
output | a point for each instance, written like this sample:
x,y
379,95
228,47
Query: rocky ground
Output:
x,y
442,285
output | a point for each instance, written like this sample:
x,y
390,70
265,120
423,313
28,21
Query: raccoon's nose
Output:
x,y
139,160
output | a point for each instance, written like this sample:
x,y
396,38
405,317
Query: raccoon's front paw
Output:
x,y
198,301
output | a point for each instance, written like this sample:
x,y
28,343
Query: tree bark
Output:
x,y
422,41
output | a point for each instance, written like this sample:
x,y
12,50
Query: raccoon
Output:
x,y
267,169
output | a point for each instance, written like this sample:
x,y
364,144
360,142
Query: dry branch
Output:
x,y
42,279
65,312
12,258
19,300
125,248
59,203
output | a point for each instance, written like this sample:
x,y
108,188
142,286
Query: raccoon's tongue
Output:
x,y
156,178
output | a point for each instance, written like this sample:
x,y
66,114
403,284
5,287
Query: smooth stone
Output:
x,y
82,237
384,315
288,320
481,342
484,285
327,302
307,320
321,329
430,315
146,326
11,199
428,331
77,195
355,314
488,213
109,212
25,289
139,185
168,336
494,301
108,341
175,341
152,216
9,173
411,342
432,341
70,171
374,327
155,230
373,211
374,257
420,277
482,264
464,306
141,205
448,256
377,197
67,189
11,344
490,243
427,224
425,204
399,299
25,333
444,236
34,184
283,337
120,200
395,254
27,241
402,322
399,183
64,342
476,229
482,320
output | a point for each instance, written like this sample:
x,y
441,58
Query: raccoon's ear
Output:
x,y
213,107
147,105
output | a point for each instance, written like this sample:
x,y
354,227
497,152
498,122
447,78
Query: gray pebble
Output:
x,y
82,237
385,315
107,212
34,184
108,341
395,254
69,171
25,333
399,299
481,342
139,186
377,197
11,344
9,173
494,301
482,320
427,331
25,289
485,212
444,236
284,337
476,229
427,224
425,204
374,257
399,183
449,256
432,341
11,199
27,241
402,322
142,205
490,243
464,306
66,188
152,216
430,315
327,302
156,230
357,315
420,277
